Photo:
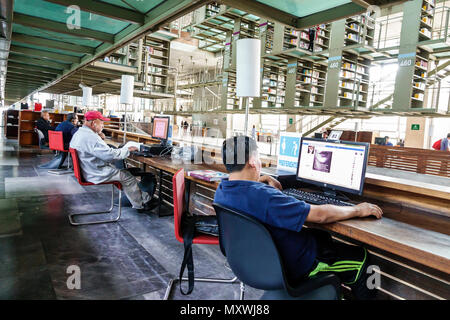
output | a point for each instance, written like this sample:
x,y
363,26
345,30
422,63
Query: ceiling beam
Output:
x,y
47,43
27,72
263,11
105,9
44,54
32,83
40,23
340,12
27,75
13,77
31,68
38,62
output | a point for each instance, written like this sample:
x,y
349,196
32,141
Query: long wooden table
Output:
x,y
411,244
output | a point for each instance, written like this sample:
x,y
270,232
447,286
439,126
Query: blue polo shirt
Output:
x,y
283,216
66,127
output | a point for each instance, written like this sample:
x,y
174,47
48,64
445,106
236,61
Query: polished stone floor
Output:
x,y
132,259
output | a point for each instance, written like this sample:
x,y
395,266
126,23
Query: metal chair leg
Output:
x,y
242,288
73,223
211,280
61,171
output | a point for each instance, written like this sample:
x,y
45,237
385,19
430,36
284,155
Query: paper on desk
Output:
x,y
132,144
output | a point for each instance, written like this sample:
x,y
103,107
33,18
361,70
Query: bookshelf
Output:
x,y
321,39
212,9
353,80
156,54
290,38
359,30
426,19
310,84
273,86
419,78
12,124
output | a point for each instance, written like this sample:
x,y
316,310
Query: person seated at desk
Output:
x,y
304,251
96,161
387,142
68,128
43,124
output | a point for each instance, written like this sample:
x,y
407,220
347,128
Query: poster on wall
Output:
x,y
288,151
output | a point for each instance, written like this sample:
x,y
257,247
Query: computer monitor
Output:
x,y
380,140
333,165
161,128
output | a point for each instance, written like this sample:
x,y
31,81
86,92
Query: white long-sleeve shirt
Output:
x,y
96,156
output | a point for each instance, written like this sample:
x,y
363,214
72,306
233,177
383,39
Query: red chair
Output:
x,y
56,142
81,181
179,204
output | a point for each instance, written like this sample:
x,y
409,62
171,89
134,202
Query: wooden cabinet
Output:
x,y
27,123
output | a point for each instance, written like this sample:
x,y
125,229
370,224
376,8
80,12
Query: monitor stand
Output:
x,y
333,194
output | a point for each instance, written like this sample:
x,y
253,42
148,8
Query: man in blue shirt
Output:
x,y
68,128
445,143
304,251
387,142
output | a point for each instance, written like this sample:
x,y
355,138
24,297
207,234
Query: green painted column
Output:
x,y
291,77
408,45
235,36
226,67
263,37
337,36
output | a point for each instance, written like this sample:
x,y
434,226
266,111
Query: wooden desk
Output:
x,y
410,244
213,151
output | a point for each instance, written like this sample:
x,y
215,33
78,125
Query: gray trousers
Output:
x,y
131,189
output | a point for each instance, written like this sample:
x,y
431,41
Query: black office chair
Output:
x,y
254,259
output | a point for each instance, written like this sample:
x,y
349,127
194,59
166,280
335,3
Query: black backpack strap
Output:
x,y
188,228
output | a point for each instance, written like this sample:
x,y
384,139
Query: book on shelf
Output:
x,y
208,175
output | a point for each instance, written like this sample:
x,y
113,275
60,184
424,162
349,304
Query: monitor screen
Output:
x,y
380,140
338,165
160,128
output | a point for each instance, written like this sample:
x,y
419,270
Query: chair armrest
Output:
x,y
316,282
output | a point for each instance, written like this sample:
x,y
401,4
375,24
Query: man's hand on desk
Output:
x,y
368,209
271,182
131,149
102,135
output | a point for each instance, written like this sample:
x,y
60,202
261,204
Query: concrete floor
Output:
x,y
132,259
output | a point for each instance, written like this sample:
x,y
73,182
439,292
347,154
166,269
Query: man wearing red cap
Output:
x,y
96,159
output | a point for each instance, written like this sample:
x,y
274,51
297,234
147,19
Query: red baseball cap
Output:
x,y
93,115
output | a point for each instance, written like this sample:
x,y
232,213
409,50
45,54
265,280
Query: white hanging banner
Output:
x,y
248,67
87,96
126,89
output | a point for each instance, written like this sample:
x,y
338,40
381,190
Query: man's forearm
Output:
x,y
330,213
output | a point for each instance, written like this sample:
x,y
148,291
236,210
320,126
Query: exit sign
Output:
x,y
415,127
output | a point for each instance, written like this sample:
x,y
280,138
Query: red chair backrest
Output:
x,y
76,165
55,140
178,202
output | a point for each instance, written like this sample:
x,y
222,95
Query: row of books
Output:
x,y
208,175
